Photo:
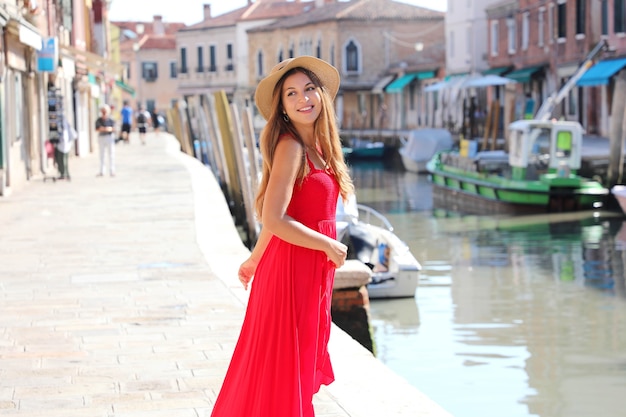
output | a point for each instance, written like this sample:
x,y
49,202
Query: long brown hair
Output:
x,y
325,130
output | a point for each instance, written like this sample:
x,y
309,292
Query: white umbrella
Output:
x,y
487,80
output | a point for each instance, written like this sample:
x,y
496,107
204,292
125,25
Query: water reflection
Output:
x,y
514,316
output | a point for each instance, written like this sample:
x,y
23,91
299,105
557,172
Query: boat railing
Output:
x,y
366,214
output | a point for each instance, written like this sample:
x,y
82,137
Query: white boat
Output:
x,y
370,239
619,192
420,146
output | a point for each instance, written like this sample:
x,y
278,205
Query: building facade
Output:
x,y
543,44
55,65
372,44
213,54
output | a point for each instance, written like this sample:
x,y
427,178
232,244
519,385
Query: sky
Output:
x,y
190,11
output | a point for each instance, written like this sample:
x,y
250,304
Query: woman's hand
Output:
x,y
337,253
246,272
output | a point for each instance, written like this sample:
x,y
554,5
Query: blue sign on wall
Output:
x,y
48,56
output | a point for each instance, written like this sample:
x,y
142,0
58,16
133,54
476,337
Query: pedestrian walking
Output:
x,y
127,122
106,139
143,121
281,358
62,150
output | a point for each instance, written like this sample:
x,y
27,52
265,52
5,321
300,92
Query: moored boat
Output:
x,y
364,149
619,192
370,239
538,173
420,146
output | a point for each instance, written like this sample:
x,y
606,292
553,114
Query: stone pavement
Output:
x,y
119,298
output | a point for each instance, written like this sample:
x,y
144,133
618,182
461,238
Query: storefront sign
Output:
x,y
48,56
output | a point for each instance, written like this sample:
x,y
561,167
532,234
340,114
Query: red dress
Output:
x,y
281,357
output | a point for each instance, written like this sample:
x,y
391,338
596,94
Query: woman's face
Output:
x,y
301,99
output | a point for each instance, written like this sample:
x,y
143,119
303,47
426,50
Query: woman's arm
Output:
x,y
287,159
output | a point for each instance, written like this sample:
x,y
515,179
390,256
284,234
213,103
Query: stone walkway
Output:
x,y
119,298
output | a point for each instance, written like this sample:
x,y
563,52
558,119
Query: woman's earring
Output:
x,y
285,118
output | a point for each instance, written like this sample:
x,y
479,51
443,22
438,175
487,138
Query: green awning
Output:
x,y
125,87
523,75
496,70
398,85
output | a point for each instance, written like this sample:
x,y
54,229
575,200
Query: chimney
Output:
x,y
158,27
207,12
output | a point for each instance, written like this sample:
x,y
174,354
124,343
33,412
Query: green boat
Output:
x,y
537,173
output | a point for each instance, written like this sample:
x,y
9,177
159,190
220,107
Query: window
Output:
x,y
605,17
229,57
495,25
212,59
332,55
525,30
561,25
173,70
126,75
259,64
291,52
352,57
580,16
149,71
318,49
619,15
280,55
183,60
510,23
200,67
451,45
540,27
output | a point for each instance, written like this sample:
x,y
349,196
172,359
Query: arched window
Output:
x,y
281,56
352,57
318,49
291,52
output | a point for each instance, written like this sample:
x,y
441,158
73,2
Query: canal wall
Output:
x,y
364,386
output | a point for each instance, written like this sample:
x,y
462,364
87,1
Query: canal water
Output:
x,y
513,316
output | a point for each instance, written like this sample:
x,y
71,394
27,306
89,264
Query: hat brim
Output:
x,y
328,75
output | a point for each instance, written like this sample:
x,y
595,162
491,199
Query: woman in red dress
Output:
x,y
281,358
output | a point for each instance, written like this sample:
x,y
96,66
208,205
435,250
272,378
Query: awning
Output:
x,y
523,75
381,84
125,87
600,73
398,85
487,80
436,86
496,70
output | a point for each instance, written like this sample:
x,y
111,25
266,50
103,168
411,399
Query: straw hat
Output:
x,y
328,75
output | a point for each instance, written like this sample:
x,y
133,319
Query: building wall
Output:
x,y
382,44
466,36
162,90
